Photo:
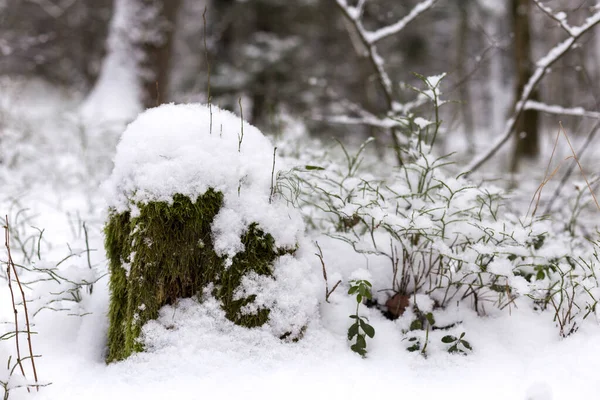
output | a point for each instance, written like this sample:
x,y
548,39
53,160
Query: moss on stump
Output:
x,y
166,252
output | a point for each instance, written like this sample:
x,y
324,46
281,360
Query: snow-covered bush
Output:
x,y
430,239
191,207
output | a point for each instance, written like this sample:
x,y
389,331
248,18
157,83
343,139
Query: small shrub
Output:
x,y
458,344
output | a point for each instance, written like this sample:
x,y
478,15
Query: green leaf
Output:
x,y
368,283
466,344
359,298
353,289
361,341
453,349
313,168
540,275
368,329
354,316
462,335
416,325
360,350
414,347
352,331
430,319
449,339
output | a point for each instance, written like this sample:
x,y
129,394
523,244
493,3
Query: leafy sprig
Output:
x,y
360,329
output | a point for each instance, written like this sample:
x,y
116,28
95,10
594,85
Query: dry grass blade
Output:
x,y
547,177
579,165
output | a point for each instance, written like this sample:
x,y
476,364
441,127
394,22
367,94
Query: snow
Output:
x,y
422,122
559,110
192,350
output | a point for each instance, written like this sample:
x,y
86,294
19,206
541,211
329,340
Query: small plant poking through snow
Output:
x,y
360,329
458,344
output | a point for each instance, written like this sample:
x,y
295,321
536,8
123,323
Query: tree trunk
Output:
x,y
136,67
157,21
527,144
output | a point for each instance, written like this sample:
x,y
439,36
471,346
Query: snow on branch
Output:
x,y
559,110
370,38
559,17
354,15
542,66
382,33
365,121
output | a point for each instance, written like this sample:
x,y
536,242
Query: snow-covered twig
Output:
x,y
354,16
559,110
559,17
382,33
369,40
543,65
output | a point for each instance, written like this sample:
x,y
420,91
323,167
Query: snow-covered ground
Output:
x,y
193,351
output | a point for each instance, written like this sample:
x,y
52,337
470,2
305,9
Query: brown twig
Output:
x,y
12,268
327,291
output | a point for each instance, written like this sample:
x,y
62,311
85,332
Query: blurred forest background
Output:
x,y
304,59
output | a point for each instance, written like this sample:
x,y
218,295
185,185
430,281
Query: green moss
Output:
x,y
166,253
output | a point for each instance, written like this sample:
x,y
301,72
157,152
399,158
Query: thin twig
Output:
x,y
11,266
547,176
273,177
327,291
207,59
571,167
241,135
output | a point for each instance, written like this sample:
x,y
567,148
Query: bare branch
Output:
x,y
54,10
543,65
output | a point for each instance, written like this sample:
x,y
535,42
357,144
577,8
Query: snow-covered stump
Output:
x,y
190,212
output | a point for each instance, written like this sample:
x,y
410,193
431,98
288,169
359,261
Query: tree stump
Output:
x,y
208,229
